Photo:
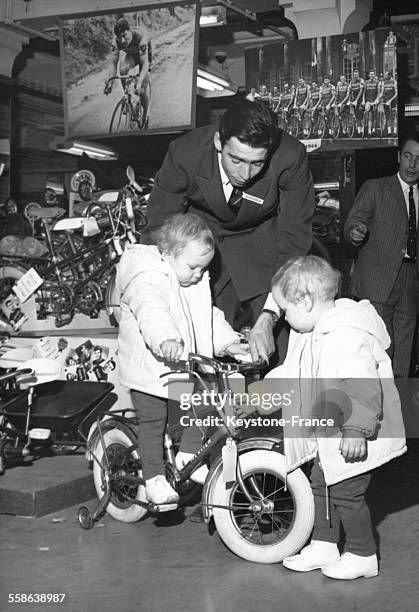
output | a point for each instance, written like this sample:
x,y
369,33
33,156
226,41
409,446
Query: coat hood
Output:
x,y
136,259
359,315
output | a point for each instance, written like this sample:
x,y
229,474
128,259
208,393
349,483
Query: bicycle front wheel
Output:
x,y
351,126
280,518
307,126
335,126
121,117
294,126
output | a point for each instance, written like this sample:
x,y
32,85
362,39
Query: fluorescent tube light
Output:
x,y
91,149
210,83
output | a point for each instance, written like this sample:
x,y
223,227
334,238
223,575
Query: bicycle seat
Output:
x,y
70,223
53,212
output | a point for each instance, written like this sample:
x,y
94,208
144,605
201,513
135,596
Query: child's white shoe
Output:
x,y
316,555
198,475
351,566
159,491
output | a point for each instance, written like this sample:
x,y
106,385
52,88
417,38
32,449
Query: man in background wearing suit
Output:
x,y
251,183
382,223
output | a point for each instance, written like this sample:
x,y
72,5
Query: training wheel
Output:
x,y
85,518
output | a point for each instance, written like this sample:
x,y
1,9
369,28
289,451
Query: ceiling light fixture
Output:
x,y
78,147
211,84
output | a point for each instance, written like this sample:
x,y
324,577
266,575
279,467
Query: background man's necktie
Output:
x,y
235,199
412,236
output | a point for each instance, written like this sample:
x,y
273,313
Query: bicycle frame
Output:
x,y
124,112
224,432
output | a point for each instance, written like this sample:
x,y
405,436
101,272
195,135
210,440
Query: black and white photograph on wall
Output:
x,y
330,90
408,55
122,71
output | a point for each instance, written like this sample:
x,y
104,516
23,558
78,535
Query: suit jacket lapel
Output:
x,y
399,200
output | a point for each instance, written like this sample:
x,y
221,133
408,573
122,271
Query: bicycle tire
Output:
x,y
143,125
294,126
119,117
382,123
307,126
335,127
121,448
321,127
365,125
275,533
351,126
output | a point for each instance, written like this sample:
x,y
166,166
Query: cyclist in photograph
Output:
x,y
356,93
284,104
302,96
388,96
341,98
265,95
327,94
314,102
276,94
370,100
131,47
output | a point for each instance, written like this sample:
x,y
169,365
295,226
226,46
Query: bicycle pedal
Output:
x,y
196,516
157,508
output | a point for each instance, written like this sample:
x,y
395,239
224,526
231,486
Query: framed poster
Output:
x,y
130,72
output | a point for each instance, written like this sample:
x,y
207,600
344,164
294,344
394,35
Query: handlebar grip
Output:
x,y
15,373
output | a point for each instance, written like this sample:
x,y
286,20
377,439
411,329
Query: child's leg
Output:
x,y
348,497
152,416
325,529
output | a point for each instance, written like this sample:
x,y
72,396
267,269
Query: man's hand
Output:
x,y
237,348
108,88
261,338
358,233
353,446
172,350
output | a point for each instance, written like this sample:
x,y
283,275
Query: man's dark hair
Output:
x,y
121,26
408,136
253,123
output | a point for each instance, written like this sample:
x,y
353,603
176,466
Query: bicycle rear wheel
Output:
x,y
121,117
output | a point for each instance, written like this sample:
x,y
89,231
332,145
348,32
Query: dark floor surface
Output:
x,y
173,564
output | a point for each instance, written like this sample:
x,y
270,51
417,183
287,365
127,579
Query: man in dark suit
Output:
x,y
252,185
382,223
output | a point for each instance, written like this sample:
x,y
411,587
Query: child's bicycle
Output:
x,y
261,513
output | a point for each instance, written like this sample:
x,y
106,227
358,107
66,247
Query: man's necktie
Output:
x,y
235,199
412,237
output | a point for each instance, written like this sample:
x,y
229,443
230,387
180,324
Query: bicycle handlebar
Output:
x,y
216,365
129,77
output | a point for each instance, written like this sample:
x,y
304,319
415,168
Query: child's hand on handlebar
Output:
x,y
172,350
237,349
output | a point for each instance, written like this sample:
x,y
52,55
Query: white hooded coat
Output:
x,y
343,363
155,308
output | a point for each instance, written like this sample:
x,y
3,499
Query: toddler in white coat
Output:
x,y
337,350
166,313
